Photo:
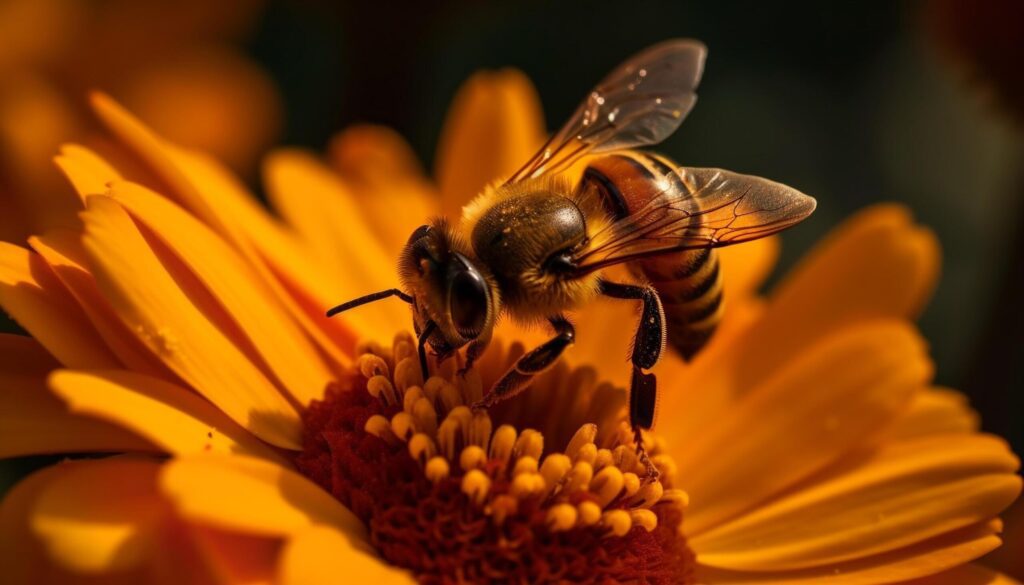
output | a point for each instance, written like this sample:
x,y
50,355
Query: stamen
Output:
x,y
472,457
424,471
476,484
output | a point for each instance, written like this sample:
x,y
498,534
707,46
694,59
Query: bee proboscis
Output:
x,y
535,246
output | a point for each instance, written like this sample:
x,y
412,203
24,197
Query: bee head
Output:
x,y
448,288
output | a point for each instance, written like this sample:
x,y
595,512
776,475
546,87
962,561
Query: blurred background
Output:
x,y
854,103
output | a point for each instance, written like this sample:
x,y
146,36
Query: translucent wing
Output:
x,y
640,103
698,208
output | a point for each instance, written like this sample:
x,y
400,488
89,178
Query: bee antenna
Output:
x,y
391,292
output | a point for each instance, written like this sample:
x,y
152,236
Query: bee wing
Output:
x,y
641,102
699,208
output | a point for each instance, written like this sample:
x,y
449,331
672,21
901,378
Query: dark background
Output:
x,y
853,103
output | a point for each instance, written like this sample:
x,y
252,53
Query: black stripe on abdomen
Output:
x,y
614,204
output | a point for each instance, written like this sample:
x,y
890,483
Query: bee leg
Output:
x,y
473,352
518,377
422,348
647,347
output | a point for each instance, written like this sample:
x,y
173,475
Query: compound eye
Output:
x,y
467,302
419,234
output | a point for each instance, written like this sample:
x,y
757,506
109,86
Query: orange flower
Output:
x,y
52,51
181,326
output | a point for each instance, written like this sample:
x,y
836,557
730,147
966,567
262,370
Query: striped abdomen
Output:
x,y
688,282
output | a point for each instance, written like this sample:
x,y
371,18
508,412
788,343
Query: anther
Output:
x,y
584,435
380,388
603,459
644,518
649,494
561,517
476,485
480,428
525,485
606,485
524,465
422,448
589,513
579,477
371,365
617,522
502,442
587,454
625,457
408,374
425,416
678,497
379,426
432,387
554,468
403,346
502,507
447,437
402,425
530,443
436,469
472,457
411,396
451,397
630,484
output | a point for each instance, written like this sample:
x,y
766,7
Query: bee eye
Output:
x,y
420,232
467,302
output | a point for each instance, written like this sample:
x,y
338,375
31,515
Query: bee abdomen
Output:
x,y
690,286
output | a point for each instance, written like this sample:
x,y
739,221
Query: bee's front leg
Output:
x,y
647,346
473,352
518,377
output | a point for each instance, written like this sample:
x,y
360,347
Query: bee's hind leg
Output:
x,y
518,377
648,344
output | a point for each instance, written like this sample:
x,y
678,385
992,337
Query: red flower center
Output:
x,y
457,503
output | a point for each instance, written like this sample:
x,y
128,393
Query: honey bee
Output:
x,y
534,245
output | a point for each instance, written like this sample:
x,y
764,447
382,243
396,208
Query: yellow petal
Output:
x,y
234,558
33,421
101,517
926,558
250,495
969,574
313,556
177,420
933,412
22,355
392,189
21,554
35,298
87,172
817,408
207,190
375,155
312,198
62,249
878,264
905,494
150,301
300,283
745,267
493,127
264,324
223,103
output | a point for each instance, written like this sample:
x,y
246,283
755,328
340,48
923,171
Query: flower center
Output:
x,y
458,496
